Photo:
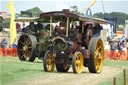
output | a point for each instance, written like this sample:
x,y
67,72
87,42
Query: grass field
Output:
x,y
119,77
13,70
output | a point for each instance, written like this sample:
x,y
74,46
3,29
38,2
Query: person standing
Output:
x,y
14,46
4,46
123,47
113,48
119,48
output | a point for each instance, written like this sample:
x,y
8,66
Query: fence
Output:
x,y
115,55
8,52
124,75
108,55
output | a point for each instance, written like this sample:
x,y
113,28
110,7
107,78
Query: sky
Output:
x,y
56,5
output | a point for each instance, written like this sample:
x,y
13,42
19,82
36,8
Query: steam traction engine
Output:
x,y
73,45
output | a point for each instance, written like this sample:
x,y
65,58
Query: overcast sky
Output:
x,y
51,5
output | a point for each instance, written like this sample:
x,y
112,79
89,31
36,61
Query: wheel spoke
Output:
x,y
22,43
30,47
28,41
24,38
29,52
50,62
78,63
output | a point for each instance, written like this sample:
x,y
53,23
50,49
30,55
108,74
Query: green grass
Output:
x,y
119,78
13,70
119,64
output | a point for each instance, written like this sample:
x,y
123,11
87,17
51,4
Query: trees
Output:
x,y
33,12
121,17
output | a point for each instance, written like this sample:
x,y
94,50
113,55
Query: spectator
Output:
x,y
18,27
113,48
4,46
123,45
119,48
14,46
123,38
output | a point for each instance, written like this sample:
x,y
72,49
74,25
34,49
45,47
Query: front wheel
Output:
x,y
96,49
77,62
49,61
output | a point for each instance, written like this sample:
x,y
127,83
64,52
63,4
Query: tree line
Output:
x,y
121,17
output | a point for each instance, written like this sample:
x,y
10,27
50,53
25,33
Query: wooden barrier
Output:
x,y
114,79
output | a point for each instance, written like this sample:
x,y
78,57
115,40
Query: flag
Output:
x,y
13,32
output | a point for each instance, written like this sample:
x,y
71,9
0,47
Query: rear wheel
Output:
x,y
49,61
96,49
62,68
77,62
27,48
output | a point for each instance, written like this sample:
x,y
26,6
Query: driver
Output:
x,y
39,26
32,26
97,29
61,28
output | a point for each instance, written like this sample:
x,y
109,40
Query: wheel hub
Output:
x,y
25,48
98,57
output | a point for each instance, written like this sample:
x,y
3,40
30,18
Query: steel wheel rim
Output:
x,y
99,56
50,62
79,63
26,49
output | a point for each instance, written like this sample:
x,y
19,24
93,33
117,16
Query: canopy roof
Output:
x,y
25,19
72,15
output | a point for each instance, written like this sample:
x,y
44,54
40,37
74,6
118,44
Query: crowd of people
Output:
x,y
118,46
5,48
